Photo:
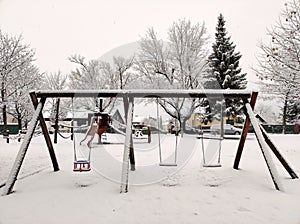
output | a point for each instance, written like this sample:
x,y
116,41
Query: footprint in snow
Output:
x,y
242,209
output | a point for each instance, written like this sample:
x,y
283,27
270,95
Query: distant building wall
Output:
x,y
195,121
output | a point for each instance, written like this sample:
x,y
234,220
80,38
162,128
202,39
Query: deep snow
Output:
x,y
188,194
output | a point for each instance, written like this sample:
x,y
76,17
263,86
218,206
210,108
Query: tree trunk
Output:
x,y
100,110
4,113
121,79
56,120
26,124
19,117
183,125
284,115
19,121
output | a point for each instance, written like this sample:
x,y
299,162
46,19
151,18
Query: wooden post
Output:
x,y
125,167
22,152
245,132
131,151
264,148
45,132
149,134
101,105
72,130
278,154
6,135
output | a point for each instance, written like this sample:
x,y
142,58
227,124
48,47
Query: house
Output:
x,y
197,120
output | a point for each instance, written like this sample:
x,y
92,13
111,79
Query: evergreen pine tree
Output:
x,y
292,110
224,71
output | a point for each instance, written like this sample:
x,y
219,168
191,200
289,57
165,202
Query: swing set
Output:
x,y
38,99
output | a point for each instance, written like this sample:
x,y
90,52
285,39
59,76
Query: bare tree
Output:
x,y
13,57
20,106
58,108
177,64
89,76
101,75
56,81
279,62
121,70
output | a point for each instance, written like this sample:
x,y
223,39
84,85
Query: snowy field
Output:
x,y
188,193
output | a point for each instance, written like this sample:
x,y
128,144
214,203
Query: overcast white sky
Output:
x,y
60,28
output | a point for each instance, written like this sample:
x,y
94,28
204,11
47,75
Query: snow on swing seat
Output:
x,y
167,164
212,165
82,165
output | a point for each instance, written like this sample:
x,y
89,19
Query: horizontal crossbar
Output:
x,y
146,93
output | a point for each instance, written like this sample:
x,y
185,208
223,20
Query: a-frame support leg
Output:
x,y
131,151
22,152
45,133
278,154
244,133
125,167
264,147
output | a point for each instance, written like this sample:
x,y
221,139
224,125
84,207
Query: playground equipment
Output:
x,y
39,97
214,144
161,163
84,164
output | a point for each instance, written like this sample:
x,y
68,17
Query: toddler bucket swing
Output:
x,y
80,165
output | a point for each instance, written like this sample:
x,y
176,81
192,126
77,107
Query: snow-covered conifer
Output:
x,y
224,61
224,71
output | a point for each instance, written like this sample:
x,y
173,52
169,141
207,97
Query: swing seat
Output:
x,y
212,165
82,165
168,164
210,137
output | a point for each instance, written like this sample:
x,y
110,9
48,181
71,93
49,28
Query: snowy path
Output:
x,y
192,195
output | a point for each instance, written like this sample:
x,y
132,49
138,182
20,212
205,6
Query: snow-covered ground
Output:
x,y
188,193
